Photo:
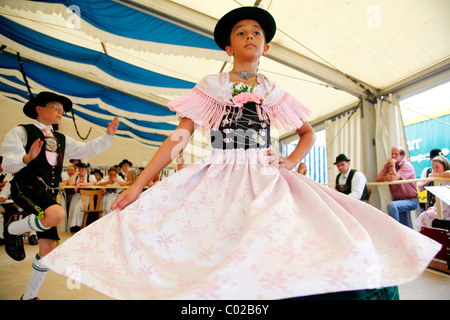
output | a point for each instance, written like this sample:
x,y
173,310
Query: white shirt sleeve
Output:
x,y
6,191
8,176
13,150
65,176
358,183
77,150
422,184
104,179
92,178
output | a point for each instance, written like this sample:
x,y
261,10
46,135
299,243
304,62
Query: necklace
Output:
x,y
244,74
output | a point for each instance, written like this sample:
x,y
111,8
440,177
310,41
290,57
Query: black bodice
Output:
x,y
242,128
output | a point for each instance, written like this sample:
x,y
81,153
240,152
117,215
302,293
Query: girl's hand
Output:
x,y
126,197
276,161
434,175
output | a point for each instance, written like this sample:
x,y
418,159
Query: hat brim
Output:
x,y
341,158
29,109
123,162
223,27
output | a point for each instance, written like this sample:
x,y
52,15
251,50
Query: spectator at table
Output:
x,y
125,165
350,181
131,177
404,194
80,179
425,174
441,169
114,180
98,174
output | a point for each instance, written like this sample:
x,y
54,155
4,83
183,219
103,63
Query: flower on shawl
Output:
x,y
245,94
244,97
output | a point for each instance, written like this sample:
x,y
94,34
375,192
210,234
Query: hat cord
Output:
x,y
30,94
76,128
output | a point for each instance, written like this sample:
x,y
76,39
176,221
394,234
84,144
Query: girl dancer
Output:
x,y
239,224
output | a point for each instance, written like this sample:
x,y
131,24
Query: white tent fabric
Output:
x,y
328,54
344,136
389,133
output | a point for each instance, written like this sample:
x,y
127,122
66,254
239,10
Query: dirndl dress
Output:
x,y
230,226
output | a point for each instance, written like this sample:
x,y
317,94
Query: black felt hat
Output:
x,y
224,25
42,99
82,165
125,161
341,157
435,153
97,171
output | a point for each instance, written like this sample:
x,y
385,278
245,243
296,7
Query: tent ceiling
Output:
x,y
326,53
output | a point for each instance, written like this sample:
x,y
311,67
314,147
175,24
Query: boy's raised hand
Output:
x,y
112,126
34,151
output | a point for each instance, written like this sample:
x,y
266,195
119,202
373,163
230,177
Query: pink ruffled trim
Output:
x,y
285,113
199,107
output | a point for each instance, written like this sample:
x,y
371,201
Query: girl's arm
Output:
x,y
168,151
445,174
121,182
307,139
73,179
84,184
104,183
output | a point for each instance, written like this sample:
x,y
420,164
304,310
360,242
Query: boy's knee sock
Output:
x,y
38,274
27,224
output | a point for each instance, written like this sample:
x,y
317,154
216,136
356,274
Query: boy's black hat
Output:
x,y
42,99
223,27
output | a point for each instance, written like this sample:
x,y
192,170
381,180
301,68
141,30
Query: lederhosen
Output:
x,y
347,187
36,186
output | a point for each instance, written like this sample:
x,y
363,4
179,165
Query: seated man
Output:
x,y
405,194
350,181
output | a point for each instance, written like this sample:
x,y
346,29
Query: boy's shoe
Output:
x,y
14,245
35,298
32,240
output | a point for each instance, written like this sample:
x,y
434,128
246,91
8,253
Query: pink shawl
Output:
x,y
206,103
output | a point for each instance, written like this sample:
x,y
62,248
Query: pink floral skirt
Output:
x,y
230,227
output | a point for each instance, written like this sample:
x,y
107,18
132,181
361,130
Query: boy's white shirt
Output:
x,y
13,147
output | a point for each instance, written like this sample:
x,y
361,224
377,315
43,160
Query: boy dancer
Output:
x,y
34,153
